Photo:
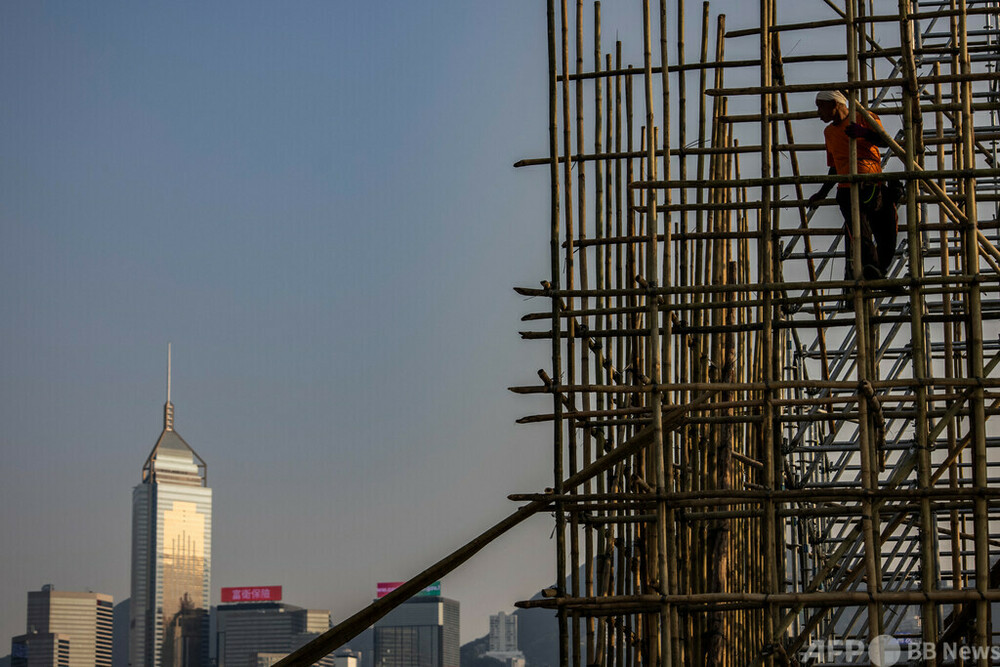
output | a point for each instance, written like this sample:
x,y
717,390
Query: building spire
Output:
x,y
168,407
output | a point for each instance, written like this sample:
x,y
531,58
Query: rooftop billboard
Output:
x,y
386,587
252,594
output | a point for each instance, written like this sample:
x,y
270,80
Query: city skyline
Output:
x,y
177,466
317,206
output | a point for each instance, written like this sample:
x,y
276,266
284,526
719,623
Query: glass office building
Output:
x,y
251,633
171,555
421,632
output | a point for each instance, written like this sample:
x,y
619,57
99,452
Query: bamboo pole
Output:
x,y
616,482
974,335
768,437
928,561
714,600
684,360
719,541
660,645
595,630
574,446
557,441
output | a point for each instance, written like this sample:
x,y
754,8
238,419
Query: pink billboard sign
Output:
x,y
383,588
252,594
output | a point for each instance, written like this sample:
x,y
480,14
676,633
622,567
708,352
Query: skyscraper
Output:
x,y
503,640
39,649
171,554
66,628
421,632
503,633
253,632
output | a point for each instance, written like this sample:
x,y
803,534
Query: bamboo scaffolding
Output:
x,y
704,295
830,469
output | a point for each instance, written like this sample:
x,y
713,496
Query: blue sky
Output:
x,y
315,203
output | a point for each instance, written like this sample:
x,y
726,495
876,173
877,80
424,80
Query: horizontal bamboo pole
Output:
x,y
847,85
742,148
848,513
882,111
859,20
784,233
730,497
817,599
830,323
697,66
816,178
751,417
609,520
845,385
799,301
951,279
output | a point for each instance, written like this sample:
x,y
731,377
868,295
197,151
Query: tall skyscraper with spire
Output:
x,y
171,554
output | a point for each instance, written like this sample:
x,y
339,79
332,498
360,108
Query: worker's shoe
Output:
x,y
872,272
897,290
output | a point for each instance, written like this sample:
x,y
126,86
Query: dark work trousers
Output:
x,y
878,228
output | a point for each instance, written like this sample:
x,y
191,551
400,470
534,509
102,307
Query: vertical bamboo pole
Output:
x,y
571,371
645,539
974,339
958,150
660,652
949,351
716,653
595,626
768,439
671,653
634,351
928,555
747,567
717,269
777,350
683,354
619,278
556,330
620,529
869,477
606,482
699,342
696,315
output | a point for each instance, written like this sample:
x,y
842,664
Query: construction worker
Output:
x,y
878,215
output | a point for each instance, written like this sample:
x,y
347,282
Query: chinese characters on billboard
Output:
x,y
252,594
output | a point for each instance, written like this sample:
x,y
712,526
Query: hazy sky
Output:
x,y
315,203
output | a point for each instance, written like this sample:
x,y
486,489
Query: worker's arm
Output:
x,y
856,131
823,191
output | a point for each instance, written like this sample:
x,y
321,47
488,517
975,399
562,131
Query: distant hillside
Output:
x,y
472,653
537,638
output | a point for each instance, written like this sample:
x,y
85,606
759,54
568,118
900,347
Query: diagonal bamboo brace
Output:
x,y
987,248
346,630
